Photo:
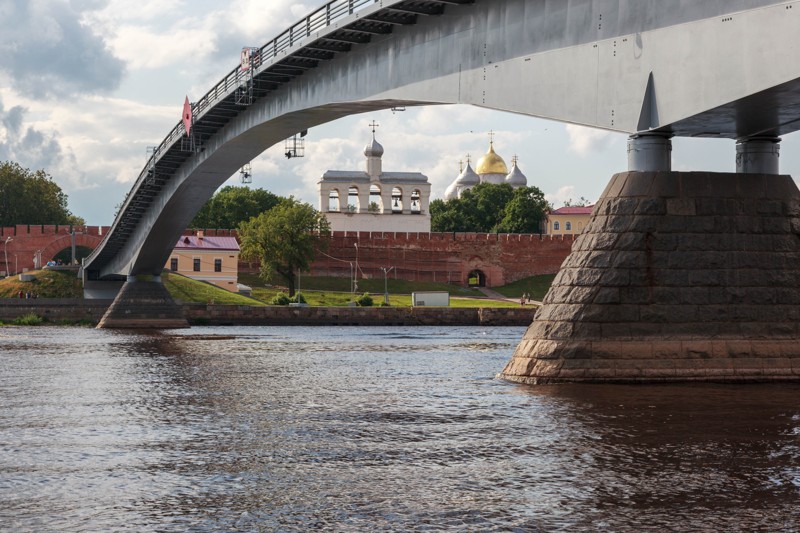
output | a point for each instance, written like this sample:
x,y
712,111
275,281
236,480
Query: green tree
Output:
x,y
525,212
231,206
489,207
487,201
28,197
285,239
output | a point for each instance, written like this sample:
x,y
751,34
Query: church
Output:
x,y
374,200
491,168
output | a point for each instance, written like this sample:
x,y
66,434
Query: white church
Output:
x,y
491,168
374,200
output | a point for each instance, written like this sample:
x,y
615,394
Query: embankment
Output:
x,y
57,310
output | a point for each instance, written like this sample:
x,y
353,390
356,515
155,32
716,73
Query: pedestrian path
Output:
x,y
494,295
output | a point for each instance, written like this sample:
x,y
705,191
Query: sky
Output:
x,y
87,85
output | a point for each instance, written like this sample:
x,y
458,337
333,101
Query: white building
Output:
x,y
374,200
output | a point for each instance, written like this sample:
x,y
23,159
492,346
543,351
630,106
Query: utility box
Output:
x,y
430,299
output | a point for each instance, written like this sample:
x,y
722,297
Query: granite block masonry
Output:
x,y
678,276
143,305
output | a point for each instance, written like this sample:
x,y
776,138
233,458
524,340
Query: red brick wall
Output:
x,y
443,257
27,240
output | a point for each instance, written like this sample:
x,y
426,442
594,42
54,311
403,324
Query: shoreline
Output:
x,y
79,311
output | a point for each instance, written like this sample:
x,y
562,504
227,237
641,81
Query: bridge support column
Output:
x,y
758,155
678,276
649,152
144,305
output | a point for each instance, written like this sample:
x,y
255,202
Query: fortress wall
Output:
x,y
27,240
441,257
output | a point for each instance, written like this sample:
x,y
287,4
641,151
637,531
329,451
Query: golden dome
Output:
x,y
491,163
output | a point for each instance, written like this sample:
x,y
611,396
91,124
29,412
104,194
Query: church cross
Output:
x,y
373,125
491,136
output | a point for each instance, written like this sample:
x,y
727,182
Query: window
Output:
x,y
173,264
568,226
556,226
196,262
217,265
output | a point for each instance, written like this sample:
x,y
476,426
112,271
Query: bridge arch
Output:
x,y
544,58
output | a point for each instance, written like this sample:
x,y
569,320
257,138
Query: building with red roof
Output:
x,y
568,220
211,259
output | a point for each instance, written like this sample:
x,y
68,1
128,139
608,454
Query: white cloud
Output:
x,y
48,50
561,196
583,140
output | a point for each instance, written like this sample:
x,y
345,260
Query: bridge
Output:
x,y
653,69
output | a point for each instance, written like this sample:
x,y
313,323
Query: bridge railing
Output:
x,y
321,18
325,16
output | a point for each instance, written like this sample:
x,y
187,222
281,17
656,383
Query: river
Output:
x,y
371,429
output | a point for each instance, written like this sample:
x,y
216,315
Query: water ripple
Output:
x,y
371,429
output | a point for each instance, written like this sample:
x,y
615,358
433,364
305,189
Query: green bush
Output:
x,y
365,300
281,299
298,298
28,320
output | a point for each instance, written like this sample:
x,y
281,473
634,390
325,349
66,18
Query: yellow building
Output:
x,y
568,220
211,259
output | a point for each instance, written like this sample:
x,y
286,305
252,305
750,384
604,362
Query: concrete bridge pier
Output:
x,y
678,276
758,155
145,305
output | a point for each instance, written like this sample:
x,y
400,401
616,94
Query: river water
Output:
x,y
371,429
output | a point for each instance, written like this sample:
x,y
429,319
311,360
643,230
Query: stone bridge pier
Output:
x,y
143,304
679,276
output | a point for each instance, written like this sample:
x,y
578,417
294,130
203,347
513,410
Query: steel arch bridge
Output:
x,y
714,68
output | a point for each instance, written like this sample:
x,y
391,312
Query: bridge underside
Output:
x,y
725,69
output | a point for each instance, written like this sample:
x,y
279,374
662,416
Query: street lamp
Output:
x,y
352,291
356,245
5,251
385,284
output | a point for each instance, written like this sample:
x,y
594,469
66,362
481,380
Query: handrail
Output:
x,y
324,17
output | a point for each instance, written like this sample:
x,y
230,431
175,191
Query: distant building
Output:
x,y
374,200
491,168
211,259
568,220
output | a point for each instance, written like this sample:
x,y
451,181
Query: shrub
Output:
x,y
365,300
28,320
281,299
298,298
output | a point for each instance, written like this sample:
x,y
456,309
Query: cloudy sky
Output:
x,y
87,85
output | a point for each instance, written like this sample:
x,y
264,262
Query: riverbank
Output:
x,y
60,310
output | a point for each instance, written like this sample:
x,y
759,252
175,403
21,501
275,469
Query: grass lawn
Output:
x,y
537,286
48,284
372,286
318,291
185,289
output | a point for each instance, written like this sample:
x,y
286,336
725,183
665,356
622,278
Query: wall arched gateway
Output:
x,y
82,240
476,278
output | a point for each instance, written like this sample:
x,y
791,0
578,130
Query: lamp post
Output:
x,y
5,252
355,277
386,284
351,281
